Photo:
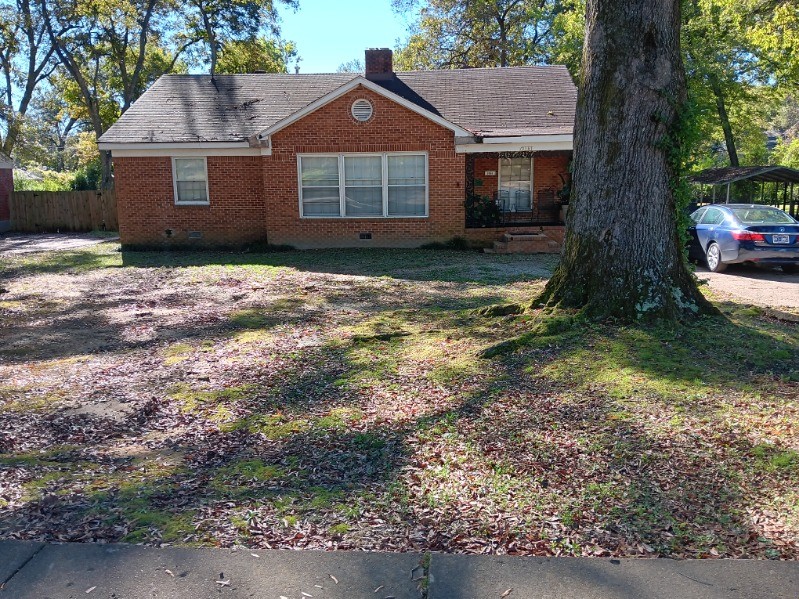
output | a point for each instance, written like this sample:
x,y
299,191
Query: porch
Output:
x,y
516,201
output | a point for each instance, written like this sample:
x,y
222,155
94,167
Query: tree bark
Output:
x,y
622,255
724,118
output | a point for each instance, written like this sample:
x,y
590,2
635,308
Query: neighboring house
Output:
x,y
333,160
6,189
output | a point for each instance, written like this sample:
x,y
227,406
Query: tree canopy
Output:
x,y
98,56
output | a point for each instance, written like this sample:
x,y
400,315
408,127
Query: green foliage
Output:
x,y
786,153
43,180
88,177
481,211
258,54
480,33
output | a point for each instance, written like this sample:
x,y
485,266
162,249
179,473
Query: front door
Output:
x,y
516,184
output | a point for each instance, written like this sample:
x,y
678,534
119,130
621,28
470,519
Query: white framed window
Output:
x,y
516,184
190,179
389,185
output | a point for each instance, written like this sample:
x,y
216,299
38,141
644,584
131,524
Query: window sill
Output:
x,y
192,203
374,218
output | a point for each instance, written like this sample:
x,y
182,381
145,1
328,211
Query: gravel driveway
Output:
x,y
754,285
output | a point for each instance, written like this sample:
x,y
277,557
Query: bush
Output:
x,y
481,211
456,243
42,180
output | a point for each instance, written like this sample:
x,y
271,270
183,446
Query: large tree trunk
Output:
x,y
622,255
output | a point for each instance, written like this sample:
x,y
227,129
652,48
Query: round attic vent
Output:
x,y
362,110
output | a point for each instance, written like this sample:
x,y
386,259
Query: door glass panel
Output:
x,y
515,189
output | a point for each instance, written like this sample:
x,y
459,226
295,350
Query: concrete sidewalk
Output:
x,y
35,570
29,243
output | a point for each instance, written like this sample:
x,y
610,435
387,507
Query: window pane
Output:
x,y
192,191
406,170
363,171
713,216
364,201
320,201
406,201
319,171
189,169
515,184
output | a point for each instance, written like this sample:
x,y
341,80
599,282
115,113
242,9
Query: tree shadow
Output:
x,y
589,439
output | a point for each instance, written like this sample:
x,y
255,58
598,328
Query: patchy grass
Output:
x,y
387,400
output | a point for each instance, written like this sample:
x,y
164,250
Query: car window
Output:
x,y
697,215
713,216
762,215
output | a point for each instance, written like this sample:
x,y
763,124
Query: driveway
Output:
x,y
754,285
21,243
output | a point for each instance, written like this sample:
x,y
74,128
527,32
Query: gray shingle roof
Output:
x,y
490,102
495,102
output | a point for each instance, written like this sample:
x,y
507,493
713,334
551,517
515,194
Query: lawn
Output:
x,y
363,400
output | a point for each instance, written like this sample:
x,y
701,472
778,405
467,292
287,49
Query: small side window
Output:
x,y
697,215
191,180
713,216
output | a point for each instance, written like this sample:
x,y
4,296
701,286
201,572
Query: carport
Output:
x,y
776,185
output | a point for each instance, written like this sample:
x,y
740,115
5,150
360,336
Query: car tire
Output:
x,y
713,258
790,269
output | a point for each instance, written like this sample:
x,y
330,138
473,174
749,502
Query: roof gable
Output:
x,y
370,85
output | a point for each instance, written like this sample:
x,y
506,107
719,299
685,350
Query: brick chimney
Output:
x,y
379,63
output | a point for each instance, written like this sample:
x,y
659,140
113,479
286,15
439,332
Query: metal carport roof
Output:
x,y
733,174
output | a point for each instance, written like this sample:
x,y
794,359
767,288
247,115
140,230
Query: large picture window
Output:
x,y
363,185
190,177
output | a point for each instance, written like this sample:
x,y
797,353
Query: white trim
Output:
x,y
6,164
517,146
140,145
362,101
189,152
351,85
529,139
342,184
207,202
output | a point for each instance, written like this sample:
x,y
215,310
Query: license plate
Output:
x,y
780,239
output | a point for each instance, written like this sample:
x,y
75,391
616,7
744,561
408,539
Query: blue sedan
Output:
x,y
724,234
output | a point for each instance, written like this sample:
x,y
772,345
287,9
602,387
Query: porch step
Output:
x,y
526,243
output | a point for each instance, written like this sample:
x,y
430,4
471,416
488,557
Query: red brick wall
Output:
x,y
547,166
146,203
489,183
392,128
6,187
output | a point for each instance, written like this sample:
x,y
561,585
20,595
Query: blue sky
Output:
x,y
331,32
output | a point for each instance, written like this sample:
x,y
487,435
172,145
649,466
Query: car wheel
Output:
x,y
790,269
713,258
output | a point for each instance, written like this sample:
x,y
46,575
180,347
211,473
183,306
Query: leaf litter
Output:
x,y
338,402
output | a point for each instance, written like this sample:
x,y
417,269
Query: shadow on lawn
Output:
x,y
569,459
411,264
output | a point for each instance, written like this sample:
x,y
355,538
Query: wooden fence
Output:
x,y
50,211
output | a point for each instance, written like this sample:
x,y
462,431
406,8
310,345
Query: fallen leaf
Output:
x,y
172,574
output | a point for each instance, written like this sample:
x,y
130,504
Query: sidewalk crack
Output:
x,y
21,566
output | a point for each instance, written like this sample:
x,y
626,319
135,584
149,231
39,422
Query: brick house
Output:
x,y
6,189
336,160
